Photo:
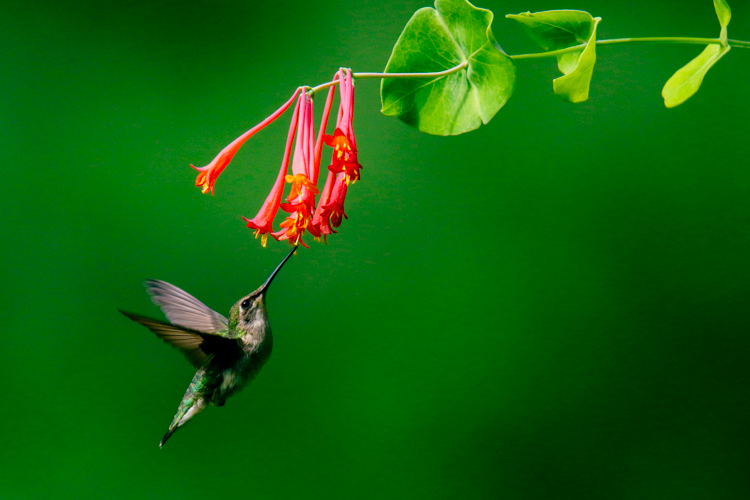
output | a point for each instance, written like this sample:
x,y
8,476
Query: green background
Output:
x,y
552,306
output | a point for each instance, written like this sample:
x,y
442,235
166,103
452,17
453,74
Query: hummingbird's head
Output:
x,y
249,313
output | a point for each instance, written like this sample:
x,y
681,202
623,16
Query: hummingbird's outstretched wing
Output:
x,y
197,347
185,310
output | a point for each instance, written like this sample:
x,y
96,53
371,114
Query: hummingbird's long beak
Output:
x,y
265,286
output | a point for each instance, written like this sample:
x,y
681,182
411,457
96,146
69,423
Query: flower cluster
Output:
x,y
303,214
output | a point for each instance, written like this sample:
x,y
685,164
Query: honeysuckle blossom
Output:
x,y
303,215
301,200
344,167
343,142
263,222
207,175
344,157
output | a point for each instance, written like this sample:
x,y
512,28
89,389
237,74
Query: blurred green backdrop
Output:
x,y
552,306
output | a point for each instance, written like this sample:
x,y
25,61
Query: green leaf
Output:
x,y
556,29
578,68
437,40
687,80
562,29
724,13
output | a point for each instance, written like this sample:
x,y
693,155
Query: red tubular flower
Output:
x,y
319,223
323,125
207,175
344,168
263,222
343,142
334,209
301,199
303,215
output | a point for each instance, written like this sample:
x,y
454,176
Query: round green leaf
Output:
x,y
436,40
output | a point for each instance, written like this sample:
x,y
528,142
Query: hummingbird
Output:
x,y
228,353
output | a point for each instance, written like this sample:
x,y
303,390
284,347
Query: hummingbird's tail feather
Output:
x,y
166,436
193,402
189,406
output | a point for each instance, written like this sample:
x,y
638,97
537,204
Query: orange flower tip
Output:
x,y
289,178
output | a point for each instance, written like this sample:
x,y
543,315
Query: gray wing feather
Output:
x,y
185,310
199,348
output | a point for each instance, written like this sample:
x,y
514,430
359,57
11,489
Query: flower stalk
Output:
x,y
304,150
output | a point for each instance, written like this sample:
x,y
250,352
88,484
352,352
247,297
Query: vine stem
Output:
x,y
656,39
361,76
552,53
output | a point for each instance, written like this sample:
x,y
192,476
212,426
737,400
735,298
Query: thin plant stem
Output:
x,y
657,39
663,39
739,43
363,76
552,53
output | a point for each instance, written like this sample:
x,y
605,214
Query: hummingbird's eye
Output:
x,y
246,303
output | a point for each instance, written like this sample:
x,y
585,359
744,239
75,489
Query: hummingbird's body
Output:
x,y
228,353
